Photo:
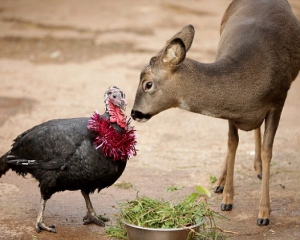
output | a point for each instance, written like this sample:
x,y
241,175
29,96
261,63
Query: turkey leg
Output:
x,y
40,225
91,216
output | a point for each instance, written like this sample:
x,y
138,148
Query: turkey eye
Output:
x,y
148,85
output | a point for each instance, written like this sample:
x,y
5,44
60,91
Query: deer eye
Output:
x,y
148,85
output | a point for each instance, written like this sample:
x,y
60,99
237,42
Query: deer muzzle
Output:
x,y
139,116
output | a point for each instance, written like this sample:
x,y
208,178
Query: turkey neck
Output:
x,y
116,115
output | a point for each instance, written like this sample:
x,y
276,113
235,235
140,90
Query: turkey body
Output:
x,y
61,155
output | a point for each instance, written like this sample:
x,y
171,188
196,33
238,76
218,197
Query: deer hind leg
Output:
x,y
228,169
257,156
271,124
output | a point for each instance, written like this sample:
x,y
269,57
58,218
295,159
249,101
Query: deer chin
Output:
x,y
143,120
139,116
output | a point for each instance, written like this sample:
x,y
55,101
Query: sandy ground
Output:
x,y
56,60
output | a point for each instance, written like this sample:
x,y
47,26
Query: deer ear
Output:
x,y
186,34
174,52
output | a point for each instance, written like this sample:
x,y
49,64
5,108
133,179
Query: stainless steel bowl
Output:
x,y
140,233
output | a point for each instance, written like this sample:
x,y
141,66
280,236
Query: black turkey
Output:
x,y
75,154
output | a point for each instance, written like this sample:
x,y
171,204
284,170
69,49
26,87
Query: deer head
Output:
x,y
156,89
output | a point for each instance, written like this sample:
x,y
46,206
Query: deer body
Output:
x,y
257,59
219,93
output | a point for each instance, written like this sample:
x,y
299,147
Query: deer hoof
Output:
x,y
219,189
263,221
259,176
226,207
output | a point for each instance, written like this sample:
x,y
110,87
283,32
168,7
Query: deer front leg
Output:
x,y
271,124
257,163
233,141
257,156
222,179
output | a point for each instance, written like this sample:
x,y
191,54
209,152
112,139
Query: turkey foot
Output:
x,y
42,226
104,219
91,218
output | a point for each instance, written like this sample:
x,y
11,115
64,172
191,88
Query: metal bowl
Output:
x,y
140,233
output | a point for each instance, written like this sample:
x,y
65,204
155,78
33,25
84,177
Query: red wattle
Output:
x,y
117,115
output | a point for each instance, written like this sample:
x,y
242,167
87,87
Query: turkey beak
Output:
x,y
123,104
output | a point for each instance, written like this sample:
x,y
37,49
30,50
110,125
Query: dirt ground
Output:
x,y
57,57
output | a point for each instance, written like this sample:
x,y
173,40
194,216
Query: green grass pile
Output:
x,y
155,213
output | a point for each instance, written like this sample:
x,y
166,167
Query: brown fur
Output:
x,y
257,59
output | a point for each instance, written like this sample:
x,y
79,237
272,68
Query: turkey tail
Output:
x,y
21,165
4,167
25,163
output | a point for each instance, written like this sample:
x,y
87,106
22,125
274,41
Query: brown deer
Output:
x,y
257,59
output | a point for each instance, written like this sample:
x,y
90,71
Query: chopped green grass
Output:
x,y
212,179
117,231
173,188
124,185
154,213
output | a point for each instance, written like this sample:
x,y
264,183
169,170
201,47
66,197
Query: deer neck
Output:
x,y
207,89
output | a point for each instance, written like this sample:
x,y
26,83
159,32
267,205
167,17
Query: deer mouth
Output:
x,y
139,116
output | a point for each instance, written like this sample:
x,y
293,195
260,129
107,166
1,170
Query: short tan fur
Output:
x,y
257,59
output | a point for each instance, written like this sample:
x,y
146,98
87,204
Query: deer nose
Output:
x,y
139,116
134,114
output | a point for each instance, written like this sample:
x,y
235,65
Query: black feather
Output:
x,y
61,155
